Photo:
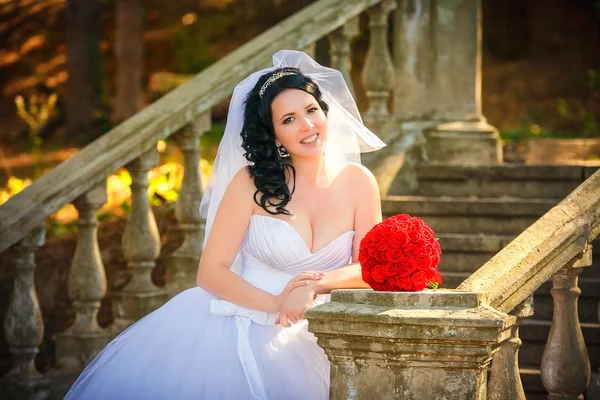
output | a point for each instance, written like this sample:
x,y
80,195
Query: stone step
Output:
x,y
534,335
467,252
470,215
507,180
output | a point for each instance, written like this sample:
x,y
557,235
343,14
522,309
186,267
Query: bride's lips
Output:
x,y
310,139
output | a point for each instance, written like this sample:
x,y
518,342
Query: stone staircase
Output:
x,y
476,211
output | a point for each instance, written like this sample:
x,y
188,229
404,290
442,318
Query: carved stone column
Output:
x,y
593,391
24,326
339,49
505,379
141,246
413,56
565,364
425,345
378,71
182,265
464,136
83,340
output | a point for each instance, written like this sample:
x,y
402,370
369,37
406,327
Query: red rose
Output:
x,y
390,270
435,260
437,277
393,256
407,267
378,273
402,226
430,273
400,217
406,284
400,239
372,251
382,245
419,280
389,286
423,262
414,236
411,250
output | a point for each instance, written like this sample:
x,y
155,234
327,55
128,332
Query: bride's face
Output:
x,y
300,123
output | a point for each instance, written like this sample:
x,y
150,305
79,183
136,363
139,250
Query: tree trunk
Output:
x,y
83,87
129,56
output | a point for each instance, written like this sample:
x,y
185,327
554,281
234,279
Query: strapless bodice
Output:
x,y
273,253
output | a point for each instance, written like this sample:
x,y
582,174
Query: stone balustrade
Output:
x,y
438,344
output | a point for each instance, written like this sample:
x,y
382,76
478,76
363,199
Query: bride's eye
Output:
x,y
288,120
312,110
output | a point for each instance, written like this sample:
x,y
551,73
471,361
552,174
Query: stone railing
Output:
x,y
184,113
556,246
439,344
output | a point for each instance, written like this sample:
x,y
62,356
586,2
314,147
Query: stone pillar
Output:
x,y
565,364
83,340
339,50
466,137
593,391
182,265
378,71
413,60
24,326
505,379
425,345
141,246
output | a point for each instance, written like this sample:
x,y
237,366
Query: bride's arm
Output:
x,y
367,213
223,244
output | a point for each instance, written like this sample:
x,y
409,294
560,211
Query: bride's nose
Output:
x,y
307,124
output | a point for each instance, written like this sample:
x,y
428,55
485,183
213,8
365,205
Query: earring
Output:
x,y
283,152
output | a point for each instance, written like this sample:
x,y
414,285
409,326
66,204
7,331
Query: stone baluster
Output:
x,y
378,71
593,391
565,364
505,380
83,340
24,326
141,246
339,49
182,265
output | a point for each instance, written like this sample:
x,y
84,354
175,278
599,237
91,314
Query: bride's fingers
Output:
x,y
313,275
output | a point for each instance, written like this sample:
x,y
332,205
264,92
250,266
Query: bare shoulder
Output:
x,y
358,175
242,180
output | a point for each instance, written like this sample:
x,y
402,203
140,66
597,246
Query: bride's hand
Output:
x,y
301,280
293,307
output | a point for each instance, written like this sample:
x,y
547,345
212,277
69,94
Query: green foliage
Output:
x,y
578,118
192,41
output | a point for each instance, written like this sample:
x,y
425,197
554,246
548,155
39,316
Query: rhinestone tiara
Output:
x,y
272,79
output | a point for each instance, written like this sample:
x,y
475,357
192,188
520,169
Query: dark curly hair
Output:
x,y
267,167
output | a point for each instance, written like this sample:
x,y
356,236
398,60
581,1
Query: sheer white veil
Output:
x,y
348,136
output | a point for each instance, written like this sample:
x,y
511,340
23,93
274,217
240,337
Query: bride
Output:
x,y
286,207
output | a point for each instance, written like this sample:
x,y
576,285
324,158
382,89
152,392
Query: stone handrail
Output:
x,y
556,246
562,234
139,134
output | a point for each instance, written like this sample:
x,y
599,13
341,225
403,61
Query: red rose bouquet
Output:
x,y
400,254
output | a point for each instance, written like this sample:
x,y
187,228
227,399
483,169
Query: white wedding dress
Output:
x,y
197,346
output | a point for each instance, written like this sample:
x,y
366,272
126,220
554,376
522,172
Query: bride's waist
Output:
x,y
271,280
